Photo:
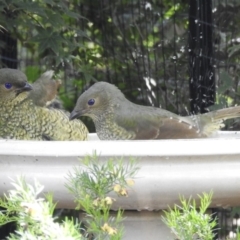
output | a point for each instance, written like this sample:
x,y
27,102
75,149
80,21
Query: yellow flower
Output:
x,y
108,229
120,190
109,201
123,192
130,182
96,202
112,231
117,188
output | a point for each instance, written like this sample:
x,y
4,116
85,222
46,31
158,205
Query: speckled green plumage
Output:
x,y
21,119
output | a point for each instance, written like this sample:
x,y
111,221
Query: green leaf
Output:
x,y
72,14
233,50
32,7
49,40
226,82
52,19
32,73
81,33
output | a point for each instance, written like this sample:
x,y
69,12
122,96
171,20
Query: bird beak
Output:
x,y
25,88
74,114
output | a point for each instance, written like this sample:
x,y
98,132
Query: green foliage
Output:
x,y
187,222
48,27
227,53
234,216
137,43
33,215
91,184
234,235
48,35
32,73
101,41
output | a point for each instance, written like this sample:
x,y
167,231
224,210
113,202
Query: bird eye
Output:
x,y
8,85
91,102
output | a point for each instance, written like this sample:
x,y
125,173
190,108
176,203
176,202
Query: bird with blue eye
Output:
x,y
11,85
23,118
91,102
8,85
116,118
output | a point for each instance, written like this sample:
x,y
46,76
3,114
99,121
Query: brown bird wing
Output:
x,y
154,123
45,89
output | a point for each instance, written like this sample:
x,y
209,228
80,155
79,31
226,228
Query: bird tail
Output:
x,y
212,121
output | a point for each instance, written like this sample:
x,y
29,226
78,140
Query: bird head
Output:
x,y
45,89
12,83
96,101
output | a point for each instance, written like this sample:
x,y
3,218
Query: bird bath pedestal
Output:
x,y
168,168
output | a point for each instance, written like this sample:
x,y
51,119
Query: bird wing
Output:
x,y
55,125
45,89
154,123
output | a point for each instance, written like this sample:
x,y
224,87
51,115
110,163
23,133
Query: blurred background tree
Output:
x,y
140,46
